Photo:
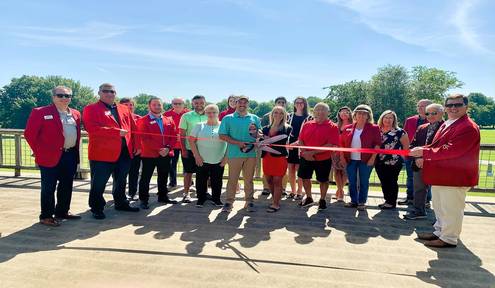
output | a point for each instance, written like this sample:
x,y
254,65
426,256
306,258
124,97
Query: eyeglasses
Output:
x,y
108,91
63,95
177,103
456,105
431,113
211,112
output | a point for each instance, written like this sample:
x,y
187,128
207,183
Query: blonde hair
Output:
x,y
363,108
283,122
395,125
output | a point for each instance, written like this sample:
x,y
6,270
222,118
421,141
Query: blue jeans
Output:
x,y
409,181
353,168
173,168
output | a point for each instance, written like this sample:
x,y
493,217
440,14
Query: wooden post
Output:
x,y
18,155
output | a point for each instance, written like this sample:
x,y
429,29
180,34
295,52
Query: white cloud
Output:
x,y
421,23
203,30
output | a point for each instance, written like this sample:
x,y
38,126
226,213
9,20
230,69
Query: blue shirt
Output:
x,y
158,120
238,127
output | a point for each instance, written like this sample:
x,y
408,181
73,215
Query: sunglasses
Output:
x,y
456,105
63,95
108,91
431,113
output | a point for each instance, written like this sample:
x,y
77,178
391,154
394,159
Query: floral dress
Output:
x,y
391,141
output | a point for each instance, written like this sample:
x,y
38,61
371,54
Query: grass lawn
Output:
x,y
487,136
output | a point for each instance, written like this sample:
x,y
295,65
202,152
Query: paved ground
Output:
x,y
181,245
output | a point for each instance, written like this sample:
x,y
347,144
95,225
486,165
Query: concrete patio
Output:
x,y
185,246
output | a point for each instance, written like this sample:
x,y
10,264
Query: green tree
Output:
x,y
480,99
432,83
263,108
389,89
141,100
349,94
22,94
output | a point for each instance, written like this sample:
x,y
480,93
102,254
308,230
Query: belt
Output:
x,y
69,149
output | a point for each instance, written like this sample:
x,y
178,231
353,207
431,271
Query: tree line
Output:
x,y
392,87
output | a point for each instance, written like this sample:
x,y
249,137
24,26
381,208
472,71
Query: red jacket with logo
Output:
x,y
452,159
104,131
45,134
152,140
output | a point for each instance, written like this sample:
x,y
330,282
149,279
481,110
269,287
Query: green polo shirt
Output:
x,y
237,128
189,121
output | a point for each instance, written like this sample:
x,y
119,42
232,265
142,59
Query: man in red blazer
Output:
x,y
53,133
450,164
110,128
158,137
136,161
412,123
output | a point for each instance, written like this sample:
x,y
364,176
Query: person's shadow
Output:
x,y
38,237
456,267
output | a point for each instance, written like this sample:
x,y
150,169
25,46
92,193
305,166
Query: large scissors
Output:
x,y
263,145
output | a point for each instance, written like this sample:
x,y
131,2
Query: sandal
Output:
x,y
291,196
272,209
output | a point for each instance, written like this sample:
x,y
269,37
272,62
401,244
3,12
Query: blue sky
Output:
x,y
262,49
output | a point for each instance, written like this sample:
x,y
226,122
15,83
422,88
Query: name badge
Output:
x,y
153,122
48,117
108,113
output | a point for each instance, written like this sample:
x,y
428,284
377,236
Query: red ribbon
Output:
x,y
334,149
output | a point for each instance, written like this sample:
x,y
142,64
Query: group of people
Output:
x,y
442,161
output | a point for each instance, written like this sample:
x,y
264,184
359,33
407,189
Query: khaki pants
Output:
x,y
247,166
448,203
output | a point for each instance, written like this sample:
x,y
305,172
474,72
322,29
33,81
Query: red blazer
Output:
x,y
45,134
151,144
410,126
452,159
370,138
104,131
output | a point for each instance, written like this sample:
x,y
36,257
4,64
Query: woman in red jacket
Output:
x,y
361,134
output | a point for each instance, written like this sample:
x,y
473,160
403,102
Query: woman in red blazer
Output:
x,y
158,136
53,132
361,134
450,164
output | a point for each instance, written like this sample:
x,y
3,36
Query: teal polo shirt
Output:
x,y
237,128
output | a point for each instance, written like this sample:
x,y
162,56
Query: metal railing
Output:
x,y
16,155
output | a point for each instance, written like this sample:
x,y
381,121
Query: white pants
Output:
x,y
448,203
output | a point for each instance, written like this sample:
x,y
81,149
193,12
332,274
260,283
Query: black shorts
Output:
x,y
189,163
293,156
321,168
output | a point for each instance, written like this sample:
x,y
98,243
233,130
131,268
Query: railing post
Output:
x,y
1,150
17,155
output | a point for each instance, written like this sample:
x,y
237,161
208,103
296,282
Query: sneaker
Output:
x,y
265,192
284,193
298,197
291,196
217,203
186,198
361,207
227,207
250,207
414,216
322,204
144,205
405,202
307,202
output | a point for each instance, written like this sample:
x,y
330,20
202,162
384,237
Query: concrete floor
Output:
x,y
185,246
